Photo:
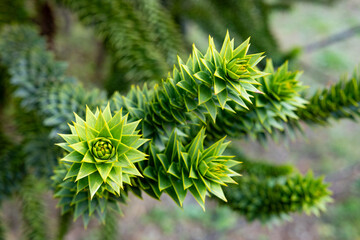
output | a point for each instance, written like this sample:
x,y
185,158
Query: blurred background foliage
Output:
x,y
150,33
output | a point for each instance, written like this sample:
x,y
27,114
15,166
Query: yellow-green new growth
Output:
x,y
102,151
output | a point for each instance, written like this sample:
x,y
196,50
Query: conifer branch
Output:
x,y
272,110
341,100
109,155
271,193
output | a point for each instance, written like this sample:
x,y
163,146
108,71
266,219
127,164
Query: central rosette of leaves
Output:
x,y
103,152
103,149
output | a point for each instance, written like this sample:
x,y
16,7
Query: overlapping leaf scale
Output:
x,y
271,111
79,203
90,165
179,169
341,100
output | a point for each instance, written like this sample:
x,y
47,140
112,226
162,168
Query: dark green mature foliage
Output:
x,y
268,198
33,74
264,169
254,13
141,42
341,100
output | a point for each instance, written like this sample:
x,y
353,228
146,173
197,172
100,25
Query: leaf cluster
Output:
x,y
341,100
273,111
274,192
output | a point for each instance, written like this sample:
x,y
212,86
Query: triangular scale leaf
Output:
x,y
80,147
107,113
180,192
88,157
82,184
186,181
73,157
95,182
197,197
116,175
69,138
212,110
105,132
85,170
80,130
104,170
90,117
219,85
204,94
117,130
217,191
164,181
201,188
100,122
73,171
174,170
130,128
